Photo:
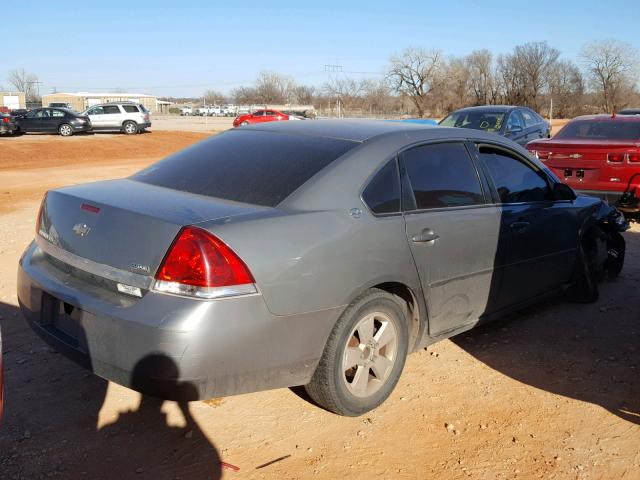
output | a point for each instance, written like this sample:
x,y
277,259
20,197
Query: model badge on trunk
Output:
x,y
81,229
575,155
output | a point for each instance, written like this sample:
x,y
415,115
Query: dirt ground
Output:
x,y
552,392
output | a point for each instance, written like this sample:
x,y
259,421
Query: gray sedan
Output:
x,y
306,253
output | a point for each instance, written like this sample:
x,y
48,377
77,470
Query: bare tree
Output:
x,y
303,94
415,73
272,87
24,82
610,66
245,96
566,88
482,77
213,97
535,62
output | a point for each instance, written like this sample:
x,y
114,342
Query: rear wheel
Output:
x,y
130,128
245,123
65,130
364,356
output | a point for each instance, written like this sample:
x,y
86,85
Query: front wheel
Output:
x,y
130,128
65,130
364,356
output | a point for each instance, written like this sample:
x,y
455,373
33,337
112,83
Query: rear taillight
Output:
x,y
39,230
6,120
633,157
543,155
615,157
198,264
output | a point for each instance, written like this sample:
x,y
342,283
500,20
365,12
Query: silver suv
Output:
x,y
129,118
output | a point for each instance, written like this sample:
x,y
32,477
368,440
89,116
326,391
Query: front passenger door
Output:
x,y
537,234
452,229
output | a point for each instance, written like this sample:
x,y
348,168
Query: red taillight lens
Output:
x,y
615,157
543,155
6,120
200,259
633,157
40,212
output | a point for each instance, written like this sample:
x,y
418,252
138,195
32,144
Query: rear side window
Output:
x,y
382,195
514,180
257,167
111,109
130,108
442,175
530,118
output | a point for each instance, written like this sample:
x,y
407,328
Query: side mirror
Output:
x,y
514,129
562,191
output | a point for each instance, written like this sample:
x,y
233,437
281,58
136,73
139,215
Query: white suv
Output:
x,y
129,118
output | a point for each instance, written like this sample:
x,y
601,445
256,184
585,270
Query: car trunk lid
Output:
x,y
124,224
585,164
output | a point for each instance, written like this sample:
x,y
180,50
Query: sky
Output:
x,y
170,48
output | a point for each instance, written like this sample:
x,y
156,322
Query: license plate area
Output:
x,y
64,321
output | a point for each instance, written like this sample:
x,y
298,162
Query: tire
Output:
x,y
65,130
616,247
130,128
339,387
584,284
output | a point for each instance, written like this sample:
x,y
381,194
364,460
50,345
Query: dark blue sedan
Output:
x,y
520,124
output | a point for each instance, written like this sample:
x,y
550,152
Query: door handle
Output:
x,y
426,236
519,225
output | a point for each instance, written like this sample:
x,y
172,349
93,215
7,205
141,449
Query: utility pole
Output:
x,y
329,69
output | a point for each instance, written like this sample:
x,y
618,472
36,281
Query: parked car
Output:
x,y
129,118
7,124
629,111
4,109
597,154
186,111
260,116
202,111
60,120
519,124
61,105
285,254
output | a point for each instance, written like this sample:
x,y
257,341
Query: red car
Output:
x,y
260,116
598,155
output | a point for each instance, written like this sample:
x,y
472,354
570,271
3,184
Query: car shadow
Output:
x,y
588,352
50,427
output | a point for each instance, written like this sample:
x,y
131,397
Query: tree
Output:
x,y
213,97
482,77
25,82
566,88
272,87
610,66
415,73
535,62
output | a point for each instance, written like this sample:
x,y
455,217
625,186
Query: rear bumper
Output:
x,y
169,346
10,128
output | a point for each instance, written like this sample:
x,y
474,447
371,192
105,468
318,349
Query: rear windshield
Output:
x,y
261,168
487,121
607,129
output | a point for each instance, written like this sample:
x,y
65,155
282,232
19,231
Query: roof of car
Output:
x,y
605,116
489,108
356,130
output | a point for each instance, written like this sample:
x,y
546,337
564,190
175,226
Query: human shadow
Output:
x,y
52,409
589,352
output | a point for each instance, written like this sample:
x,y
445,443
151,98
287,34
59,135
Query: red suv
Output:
x,y
597,154
260,116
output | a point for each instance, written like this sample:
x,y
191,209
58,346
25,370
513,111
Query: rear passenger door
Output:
x,y
536,127
113,117
538,236
452,229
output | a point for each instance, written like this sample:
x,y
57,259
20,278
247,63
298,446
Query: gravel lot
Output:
x,y
551,392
